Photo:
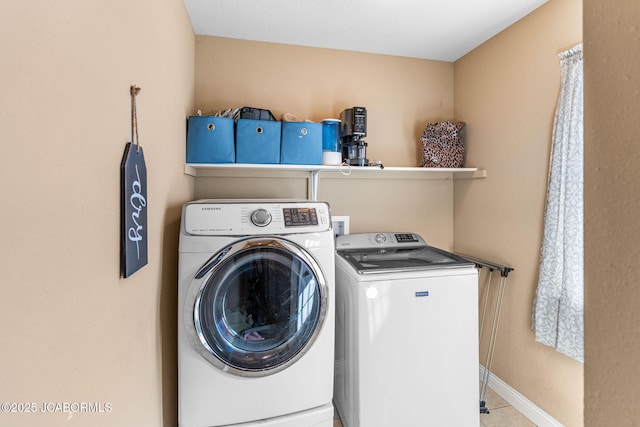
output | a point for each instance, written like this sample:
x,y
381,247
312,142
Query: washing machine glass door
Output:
x,y
256,306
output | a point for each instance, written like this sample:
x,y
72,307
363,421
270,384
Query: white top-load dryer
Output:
x,y
255,314
406,334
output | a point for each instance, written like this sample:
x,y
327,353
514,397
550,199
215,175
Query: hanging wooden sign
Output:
x,y
133,178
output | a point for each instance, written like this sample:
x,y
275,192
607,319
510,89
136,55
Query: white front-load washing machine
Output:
x,y
255,314
406,333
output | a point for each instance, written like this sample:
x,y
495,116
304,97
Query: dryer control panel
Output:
x,y
209,217
297,217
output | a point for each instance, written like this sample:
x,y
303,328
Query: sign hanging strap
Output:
x,y
135,90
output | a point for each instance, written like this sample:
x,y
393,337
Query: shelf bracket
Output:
x,y
314,184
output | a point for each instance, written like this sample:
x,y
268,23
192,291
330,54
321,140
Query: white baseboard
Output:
x,y
519,402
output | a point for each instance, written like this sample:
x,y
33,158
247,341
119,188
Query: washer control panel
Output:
x,y
379,240
209,217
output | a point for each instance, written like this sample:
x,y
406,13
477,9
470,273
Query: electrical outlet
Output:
x,y
340,225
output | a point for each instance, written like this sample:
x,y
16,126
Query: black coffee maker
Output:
x,y
354,128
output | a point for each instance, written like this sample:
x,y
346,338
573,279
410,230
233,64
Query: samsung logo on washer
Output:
x,y
422,294
211,209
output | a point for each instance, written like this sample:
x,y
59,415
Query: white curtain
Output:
x,y
558,311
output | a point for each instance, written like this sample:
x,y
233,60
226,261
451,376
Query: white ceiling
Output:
x,y
429,29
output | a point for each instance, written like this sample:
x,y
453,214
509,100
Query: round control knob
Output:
x,y
261,217
381,238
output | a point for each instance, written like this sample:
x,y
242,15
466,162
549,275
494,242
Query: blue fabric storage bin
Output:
x,y
301,143
257,141
210,140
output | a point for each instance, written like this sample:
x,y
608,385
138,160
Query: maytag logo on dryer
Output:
x,y
422,294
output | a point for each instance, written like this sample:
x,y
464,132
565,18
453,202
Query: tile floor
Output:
x,y
501,414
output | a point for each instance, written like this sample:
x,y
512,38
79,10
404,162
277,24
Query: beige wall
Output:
x,y
401,95
72,329
612,201
506,90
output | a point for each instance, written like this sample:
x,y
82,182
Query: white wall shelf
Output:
x,y
313,172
